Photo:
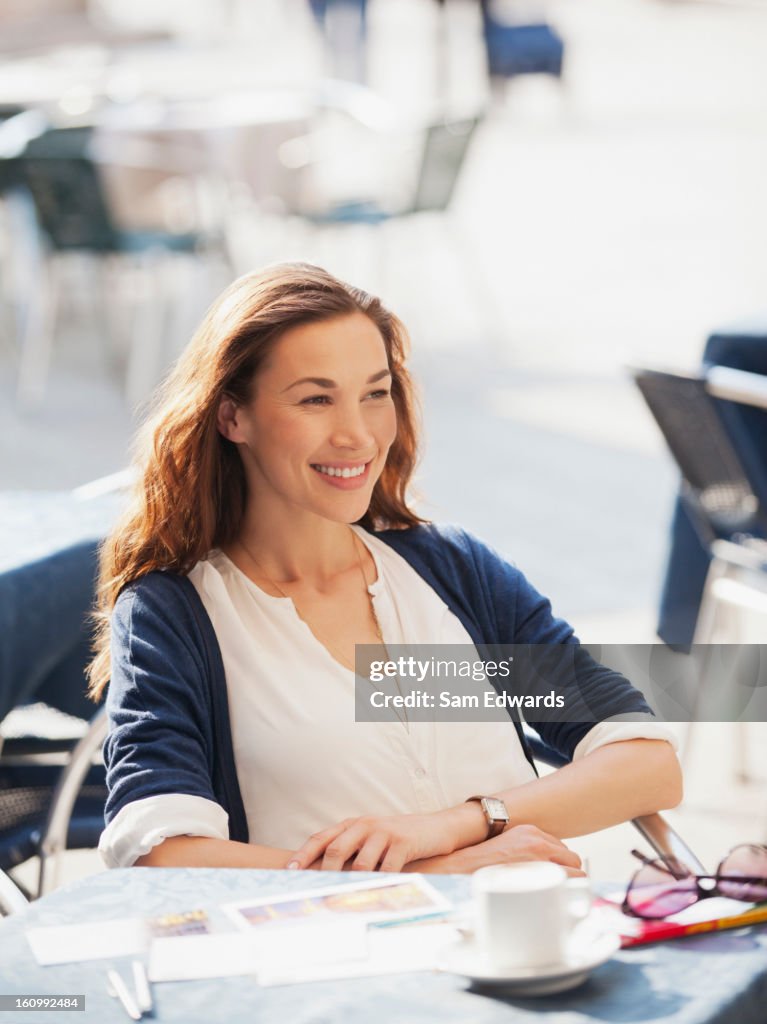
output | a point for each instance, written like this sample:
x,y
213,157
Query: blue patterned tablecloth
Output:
x,y
712,978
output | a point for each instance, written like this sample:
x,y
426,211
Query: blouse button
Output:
x,y
420,773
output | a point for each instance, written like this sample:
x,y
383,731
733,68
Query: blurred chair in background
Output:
x,y
12,899
52,786
19,255
52,799
57,169
517,48
720,501
742,348
420,187
343,24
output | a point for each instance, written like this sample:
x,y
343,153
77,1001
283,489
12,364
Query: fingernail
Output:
x,y
292,865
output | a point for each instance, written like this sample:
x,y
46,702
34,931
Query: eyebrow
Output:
x,y
325,382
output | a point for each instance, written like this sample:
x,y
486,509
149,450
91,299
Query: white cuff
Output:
x,y
142,824
614,732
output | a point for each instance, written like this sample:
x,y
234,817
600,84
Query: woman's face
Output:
x,y
319,427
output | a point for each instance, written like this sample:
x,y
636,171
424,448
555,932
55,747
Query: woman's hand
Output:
x,y
519,843
377,844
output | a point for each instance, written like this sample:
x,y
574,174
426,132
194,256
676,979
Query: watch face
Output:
x,y
496,809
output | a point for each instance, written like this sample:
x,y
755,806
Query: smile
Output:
x,y
344,476
346,472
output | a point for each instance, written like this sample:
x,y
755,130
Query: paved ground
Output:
x,y
614,220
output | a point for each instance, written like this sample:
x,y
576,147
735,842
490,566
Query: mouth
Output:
x,y
345,475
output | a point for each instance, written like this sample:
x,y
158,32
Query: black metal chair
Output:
x,y
723,504
728,516
59,171
445,146
717,488
52,792
423,189
51,800
12,899
52,782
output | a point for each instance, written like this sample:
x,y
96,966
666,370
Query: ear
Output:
x,y
228,420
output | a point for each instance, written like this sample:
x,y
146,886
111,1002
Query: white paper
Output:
x,y
97,940
284,950
711,910
396,950
286,909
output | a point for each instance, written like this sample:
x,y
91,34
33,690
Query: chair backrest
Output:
x,y
12,899
68,194
703,450
17,127
444,153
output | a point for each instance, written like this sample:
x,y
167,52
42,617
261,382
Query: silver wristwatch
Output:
x,y
495,812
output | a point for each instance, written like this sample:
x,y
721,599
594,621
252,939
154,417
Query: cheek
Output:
x,y
283,434
388,428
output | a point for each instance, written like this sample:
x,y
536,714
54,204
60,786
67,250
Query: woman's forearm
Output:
x,y
202,852
614,783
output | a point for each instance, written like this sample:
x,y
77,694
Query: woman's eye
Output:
x,y
379,393
316,400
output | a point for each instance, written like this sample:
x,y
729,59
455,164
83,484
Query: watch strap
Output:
x,y
494,825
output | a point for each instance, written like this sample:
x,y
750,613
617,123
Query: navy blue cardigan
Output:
x,y
167,700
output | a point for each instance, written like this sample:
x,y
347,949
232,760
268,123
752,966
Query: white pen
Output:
x,y
141,984
120,990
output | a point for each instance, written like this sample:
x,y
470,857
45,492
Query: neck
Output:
x,y
312,550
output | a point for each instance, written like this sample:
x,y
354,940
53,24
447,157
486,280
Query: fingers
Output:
x,y
343,846
396,858
567,858
357,843
527,842
372,851
315,847
576,873
551,847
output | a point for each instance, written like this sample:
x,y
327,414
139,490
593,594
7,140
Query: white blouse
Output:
x,y
302,760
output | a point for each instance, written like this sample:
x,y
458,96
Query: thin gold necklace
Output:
x,y
377,625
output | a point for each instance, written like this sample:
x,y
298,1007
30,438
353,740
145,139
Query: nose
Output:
x,y
350,429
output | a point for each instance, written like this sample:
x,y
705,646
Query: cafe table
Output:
x,y
714,978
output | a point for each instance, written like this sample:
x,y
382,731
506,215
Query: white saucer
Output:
x,y
588,949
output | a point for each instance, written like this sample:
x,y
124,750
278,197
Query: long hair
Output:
x,y
190,488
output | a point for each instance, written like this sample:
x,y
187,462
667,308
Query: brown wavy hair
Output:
x,y
190,490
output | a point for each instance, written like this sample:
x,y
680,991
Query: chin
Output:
x,y
350,513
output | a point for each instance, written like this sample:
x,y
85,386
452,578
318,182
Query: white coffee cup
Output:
x,y
525,913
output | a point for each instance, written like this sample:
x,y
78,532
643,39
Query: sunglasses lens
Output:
x,y
656,892
744,862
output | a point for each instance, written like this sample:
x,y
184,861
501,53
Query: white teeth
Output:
x,y
345,473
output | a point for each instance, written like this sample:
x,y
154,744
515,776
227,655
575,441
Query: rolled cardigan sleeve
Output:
x,y
143,824
160,740
616,732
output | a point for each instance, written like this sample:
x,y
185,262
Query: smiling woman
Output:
x,y
270,534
